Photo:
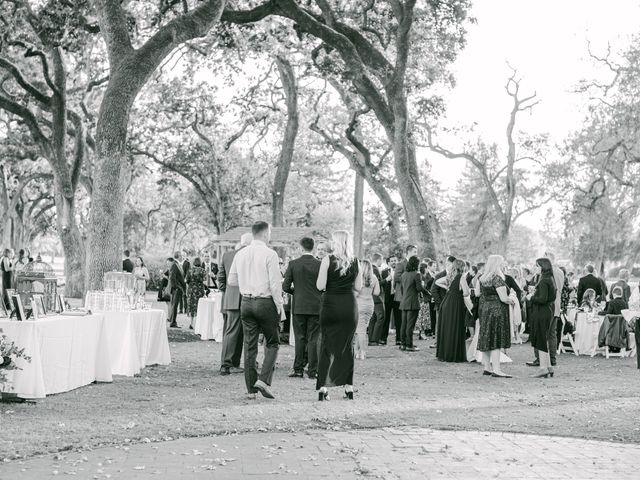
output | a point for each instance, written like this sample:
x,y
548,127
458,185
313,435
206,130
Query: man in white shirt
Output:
x,y
256,271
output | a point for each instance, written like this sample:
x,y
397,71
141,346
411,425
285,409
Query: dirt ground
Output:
x,y
588,398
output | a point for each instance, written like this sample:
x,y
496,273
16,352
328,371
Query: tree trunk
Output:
x,y
107,203
358,215
288,79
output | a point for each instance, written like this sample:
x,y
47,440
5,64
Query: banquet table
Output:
x,y
209,322
66,352
137,338
630,314
587,327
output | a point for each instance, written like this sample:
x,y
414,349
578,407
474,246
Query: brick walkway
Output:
x,y
408,453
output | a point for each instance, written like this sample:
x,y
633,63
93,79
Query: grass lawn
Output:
x,y
588,398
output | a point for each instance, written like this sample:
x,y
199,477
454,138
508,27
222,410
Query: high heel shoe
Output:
x,y
541,374
348,394
500,375
487,372
323,395
551,372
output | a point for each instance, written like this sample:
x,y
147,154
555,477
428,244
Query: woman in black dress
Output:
x,y
493,312
452,333
339,278
542,302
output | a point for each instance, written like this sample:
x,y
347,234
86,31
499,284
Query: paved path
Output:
x,y
408,453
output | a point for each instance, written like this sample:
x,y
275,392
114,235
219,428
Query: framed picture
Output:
x,y
38,303
62,303
16,301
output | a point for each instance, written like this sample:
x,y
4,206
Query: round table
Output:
x,y
209,322
587,327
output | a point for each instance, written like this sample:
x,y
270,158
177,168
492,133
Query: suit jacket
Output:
x,y
615,306
176,279
513,285
437,292
587,282
385,285
231,297
127,265
410,288
300,281
376,272
397,279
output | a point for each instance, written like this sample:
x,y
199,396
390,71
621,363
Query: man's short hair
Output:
x,y
624,274
409,248
170,259
390,257
126,253
375,257
177,255
480,265
432,263
258,227
589,268
451,259
307,244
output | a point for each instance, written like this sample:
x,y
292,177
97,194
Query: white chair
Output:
x,y
566,337
623,351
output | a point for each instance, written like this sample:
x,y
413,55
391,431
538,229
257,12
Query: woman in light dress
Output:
x,y
370,287
141,273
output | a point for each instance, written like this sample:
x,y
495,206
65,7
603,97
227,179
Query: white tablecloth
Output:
x,y
629,314
209,321
137,338
66,352
587,327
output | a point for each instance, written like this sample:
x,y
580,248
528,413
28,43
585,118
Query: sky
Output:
x,y
546,41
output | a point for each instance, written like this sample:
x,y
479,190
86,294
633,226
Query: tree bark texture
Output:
x,y
358,216
288,79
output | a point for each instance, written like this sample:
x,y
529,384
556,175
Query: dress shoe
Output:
x,y
312,376
500,375
293,373
412,349
398,344
174,325
323,395
553,363
433,346
348,394
225,371
382,344
236,370
487,372
535,363
264,389
402,347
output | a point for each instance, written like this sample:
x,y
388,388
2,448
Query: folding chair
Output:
x,y
566,337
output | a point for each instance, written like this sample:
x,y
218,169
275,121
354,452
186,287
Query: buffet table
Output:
x,y
209,322
137,338
66,352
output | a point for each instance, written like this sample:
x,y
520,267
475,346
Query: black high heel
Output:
x,y
348,395
323,396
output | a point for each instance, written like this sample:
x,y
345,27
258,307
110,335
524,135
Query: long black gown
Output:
x,y
452,331
338,322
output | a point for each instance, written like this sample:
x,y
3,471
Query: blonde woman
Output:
x,y
495,328
370,287
340,278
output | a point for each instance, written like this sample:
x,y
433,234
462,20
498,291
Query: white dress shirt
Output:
x,y
256,271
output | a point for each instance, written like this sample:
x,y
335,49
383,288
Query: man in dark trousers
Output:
x,y
438,293
378,301
127,264
410,251
587,282
232,338
300,281
381,332
176,287
182,258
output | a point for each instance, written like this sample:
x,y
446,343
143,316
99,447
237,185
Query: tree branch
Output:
x,y
25,84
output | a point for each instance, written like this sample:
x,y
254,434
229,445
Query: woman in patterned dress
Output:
x,y
195,288
495,328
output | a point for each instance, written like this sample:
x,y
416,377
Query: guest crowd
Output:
x,y
340,306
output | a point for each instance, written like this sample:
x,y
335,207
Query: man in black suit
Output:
x,y
410,251
378,301
127,264
232,338
300,281
438,293
176,287
186,265
623,284
382,330
589,281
